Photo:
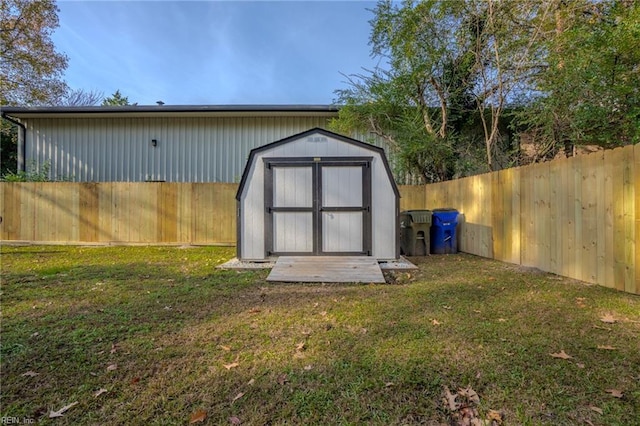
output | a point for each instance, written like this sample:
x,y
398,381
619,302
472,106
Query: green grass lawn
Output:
x,y
157,335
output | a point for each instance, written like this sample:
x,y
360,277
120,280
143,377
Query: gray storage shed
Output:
x,y
317,193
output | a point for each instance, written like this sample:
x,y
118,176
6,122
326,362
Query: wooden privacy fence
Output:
x,y
577,217
117,212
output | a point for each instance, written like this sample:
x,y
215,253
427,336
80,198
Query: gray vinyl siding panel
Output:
x,y
190,149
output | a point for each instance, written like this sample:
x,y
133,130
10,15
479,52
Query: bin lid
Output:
x,y
419,216
445,210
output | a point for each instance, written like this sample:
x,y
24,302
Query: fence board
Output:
x,y
609,274
589,257
637,214
412,197
555,218
526,217
629,219
105,216
543,231
618,218
185,203
578,248
11,200
89,212
516,232
167,212
601,213
497,201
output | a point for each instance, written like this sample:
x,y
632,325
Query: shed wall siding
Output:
x,y
383,200
190,149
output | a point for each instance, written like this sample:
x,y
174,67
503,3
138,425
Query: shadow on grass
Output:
x,y
370,353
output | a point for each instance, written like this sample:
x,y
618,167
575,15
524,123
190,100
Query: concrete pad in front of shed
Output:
x,y
327,269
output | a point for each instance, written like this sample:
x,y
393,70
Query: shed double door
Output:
x,y
318,206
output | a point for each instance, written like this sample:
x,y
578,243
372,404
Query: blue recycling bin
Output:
x,y
443,231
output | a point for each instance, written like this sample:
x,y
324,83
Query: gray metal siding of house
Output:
x,y
189,149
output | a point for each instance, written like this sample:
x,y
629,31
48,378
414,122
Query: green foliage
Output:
x,y
451,72
116,100
8,147
31,69
590,88
440,96
32,174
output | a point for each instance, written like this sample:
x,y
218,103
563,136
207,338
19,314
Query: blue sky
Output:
x,y
215,52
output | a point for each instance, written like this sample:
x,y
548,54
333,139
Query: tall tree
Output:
x,y
30,70
450,69
406,102
506,43
116,100
589,87
81,97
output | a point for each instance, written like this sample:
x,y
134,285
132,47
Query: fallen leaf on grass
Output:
x,y
225,348
60,412
607,347
447,307
29,374
435,322
282,379
494,416
615,393
251,382
198,417
596,409
235,421
135,380
608,318
580,365
230,366
112,367
501,320
561,355
254,311
114,348
100,392
601,328
300,347
469,394
450,399
237,397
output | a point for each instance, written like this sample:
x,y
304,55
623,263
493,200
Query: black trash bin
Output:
x,y
415,237
443,231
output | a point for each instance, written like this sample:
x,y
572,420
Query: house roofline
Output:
x,y
171,110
